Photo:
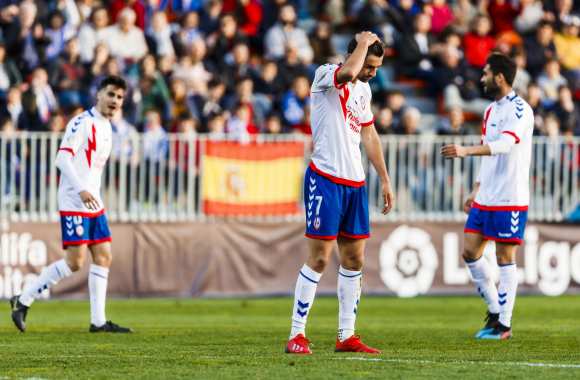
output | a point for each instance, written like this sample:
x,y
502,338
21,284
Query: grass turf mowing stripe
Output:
x,y
463,362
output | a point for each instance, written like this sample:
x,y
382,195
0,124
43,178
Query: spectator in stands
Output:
x,y
550,80
540,48
11,107
236,65
189,32
568,48
478,43
249,14
441,15
125,141
182,105
284,32
273,124
57,123
25,40
294,104
291,66
453,124
320,40
9,73
396,103
153,89
159,35
502,13
531,13
268,81
403,15
384,121
459,83
216,123
67,74
257,106
204,107
124,39
193,69
415,50
39,102
566,110
223,41
239,126
534,99
58,32
92,32
117,7
155,140
464,12
523,78
411,121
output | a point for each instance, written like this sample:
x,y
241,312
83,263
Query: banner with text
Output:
x,y
235,258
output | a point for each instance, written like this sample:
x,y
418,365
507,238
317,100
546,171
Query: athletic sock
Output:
x,y
98,277
480,274
303,298
508,285
349,290
49,277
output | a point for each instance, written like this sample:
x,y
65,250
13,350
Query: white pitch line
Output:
x,y
472,362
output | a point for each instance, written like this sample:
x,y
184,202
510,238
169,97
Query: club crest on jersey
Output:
x,y
317,223
80,230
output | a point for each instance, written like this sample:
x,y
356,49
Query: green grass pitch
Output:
x,y
421,338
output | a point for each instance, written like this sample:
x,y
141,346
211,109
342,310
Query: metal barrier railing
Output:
x,y
163,184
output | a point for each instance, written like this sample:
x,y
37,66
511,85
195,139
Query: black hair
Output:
x,y
377,48
113,80
502,64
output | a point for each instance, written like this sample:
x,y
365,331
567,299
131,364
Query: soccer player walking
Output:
x,y
81,158
498,205
335,196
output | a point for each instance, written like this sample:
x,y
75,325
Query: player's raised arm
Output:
x,y
355,61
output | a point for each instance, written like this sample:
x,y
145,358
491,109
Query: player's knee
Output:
x,y
75,263
104,260
353,262
470,254
318,263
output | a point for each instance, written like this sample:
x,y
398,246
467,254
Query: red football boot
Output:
x,y
353,344
298,345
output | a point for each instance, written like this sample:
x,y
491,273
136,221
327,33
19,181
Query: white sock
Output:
x,y
480,274
49,277
98,277
349,289
508,285
303,298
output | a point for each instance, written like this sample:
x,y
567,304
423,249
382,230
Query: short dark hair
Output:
x,y
377,48
113,80
502,64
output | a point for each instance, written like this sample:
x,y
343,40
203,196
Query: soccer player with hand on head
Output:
x,y
81,158
498,205
335,196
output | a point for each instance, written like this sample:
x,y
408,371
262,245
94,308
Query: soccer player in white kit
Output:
x,y
335,196
498,205
82,155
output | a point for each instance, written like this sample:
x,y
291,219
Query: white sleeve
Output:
x,y
64,163
520,119
74,137
503,145
368,118
325,78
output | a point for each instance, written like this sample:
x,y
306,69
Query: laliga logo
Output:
x,y
408,261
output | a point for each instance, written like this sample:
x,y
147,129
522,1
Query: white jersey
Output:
x,y
338,112
504,178
88,140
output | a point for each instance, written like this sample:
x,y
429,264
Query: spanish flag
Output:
x,y
256,178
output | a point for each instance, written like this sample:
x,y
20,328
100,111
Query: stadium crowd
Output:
x,y
244,66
